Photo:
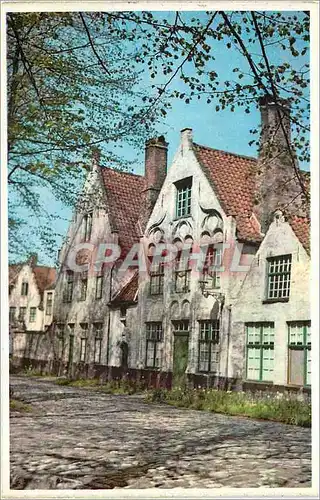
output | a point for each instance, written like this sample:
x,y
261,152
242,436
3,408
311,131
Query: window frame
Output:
x,y
213,260
153,327
83,342
24,289
32,319
209,342
49,304
282,259
69,287
12,313
183,198
305,346
97,327
61,336
99,287
261,346
87,221
84,339
184,273
83,287
156,283
20,316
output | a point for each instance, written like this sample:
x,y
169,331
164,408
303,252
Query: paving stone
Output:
x,y
81,439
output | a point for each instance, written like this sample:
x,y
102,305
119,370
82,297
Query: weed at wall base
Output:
x,y
278,407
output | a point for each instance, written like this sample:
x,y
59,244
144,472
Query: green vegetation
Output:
x,y
20,406
279,407
111,387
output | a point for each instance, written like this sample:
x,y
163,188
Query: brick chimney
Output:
x,y
156,152
277,186
33,259
275,126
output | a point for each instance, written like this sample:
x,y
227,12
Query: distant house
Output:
x,y
31,295
240,319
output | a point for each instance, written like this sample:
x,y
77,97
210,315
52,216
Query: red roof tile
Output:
x,y
129,292
233,180
124,203
301,228
45,277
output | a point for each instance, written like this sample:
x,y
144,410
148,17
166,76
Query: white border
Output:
x,y
108,5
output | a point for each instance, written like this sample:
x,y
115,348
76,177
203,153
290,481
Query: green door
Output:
x,y
180,359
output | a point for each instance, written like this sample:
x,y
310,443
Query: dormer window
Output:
x,y
87,226
183,197
24,288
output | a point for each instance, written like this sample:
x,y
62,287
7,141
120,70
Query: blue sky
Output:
x,y
221,130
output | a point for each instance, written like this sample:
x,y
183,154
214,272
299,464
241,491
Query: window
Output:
x,y
83,286
182,273
181,326
260,351
153,346
299,342
156,278
24,288
68,292
213,260
83,349
32,314
87,226
83,341
209,346
49,303
12,313
279,270
99,286
97,342
22,313
60,333
183,204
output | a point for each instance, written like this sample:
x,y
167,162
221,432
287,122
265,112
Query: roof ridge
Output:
x,y
122,172
253,158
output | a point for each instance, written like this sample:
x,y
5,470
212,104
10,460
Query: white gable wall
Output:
x,y
250,307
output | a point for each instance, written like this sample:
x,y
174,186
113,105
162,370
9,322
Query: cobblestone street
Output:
x,y
81,438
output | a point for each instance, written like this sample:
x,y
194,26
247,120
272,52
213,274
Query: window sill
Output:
x,y
273,301
259,382
182,217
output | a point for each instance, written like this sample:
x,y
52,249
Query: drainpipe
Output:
x,y
109,320
228,344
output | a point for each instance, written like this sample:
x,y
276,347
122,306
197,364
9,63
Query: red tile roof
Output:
x,y
301,228
124,200
129,292
233,180
45,277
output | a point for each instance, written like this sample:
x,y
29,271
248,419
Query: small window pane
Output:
x,y
253,363
97,350
254,334
267,364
